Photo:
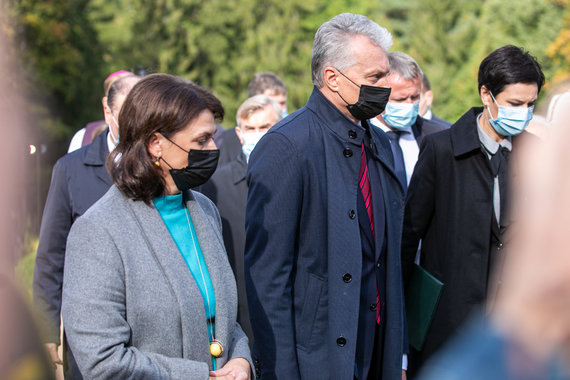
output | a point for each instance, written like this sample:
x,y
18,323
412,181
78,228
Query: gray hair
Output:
x,y
404,65
332,43
255,103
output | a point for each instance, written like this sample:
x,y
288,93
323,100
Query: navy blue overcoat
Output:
x,y
303,258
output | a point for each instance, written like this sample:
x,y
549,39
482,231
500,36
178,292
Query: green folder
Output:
x,y
422,296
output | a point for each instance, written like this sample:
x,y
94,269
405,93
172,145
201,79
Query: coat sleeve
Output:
x,y
94,314
50,257
240,347
419,204
272,222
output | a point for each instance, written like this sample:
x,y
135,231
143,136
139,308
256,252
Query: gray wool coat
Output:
x,y
131,308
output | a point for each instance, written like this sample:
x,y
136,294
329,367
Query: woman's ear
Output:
x,y
154,147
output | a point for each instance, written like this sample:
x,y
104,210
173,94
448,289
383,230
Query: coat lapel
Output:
x,y
382,152
96,155
176,273
220,272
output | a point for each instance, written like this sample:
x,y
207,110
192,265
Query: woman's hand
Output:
x,y
237,369
53,354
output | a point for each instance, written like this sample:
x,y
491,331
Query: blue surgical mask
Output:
x,y
510,121
401,115
250,140
284,114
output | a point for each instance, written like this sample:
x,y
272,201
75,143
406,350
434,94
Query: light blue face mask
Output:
x,y
510,121
284,114
401,115
250,140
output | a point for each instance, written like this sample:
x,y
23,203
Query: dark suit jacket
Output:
x,y
450,207
79,179
437,120
229,146
423,127
228,190
303,256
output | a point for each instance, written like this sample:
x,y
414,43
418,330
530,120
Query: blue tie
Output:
x,y
398,155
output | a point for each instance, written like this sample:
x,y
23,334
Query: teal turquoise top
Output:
x,y
177,219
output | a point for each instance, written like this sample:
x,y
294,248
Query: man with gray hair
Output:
x,y
228,190
400,121
323,222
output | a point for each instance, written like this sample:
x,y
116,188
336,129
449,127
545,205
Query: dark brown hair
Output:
x,y
158,103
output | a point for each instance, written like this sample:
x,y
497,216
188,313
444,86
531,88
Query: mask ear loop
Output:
x,y
350,80
115,139
489,110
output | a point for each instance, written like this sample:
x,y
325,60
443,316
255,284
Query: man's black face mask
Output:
x,y
371,102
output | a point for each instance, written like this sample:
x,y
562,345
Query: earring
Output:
x,y
157,162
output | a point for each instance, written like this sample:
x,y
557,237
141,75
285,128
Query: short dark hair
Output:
x,y
262,82
507,65
158,103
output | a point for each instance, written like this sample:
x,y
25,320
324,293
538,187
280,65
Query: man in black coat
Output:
x,y
79,179
228,189
457,199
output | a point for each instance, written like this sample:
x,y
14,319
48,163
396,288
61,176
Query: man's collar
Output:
x,y
333,118
377,123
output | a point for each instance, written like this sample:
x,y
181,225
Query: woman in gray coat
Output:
x,y
148,292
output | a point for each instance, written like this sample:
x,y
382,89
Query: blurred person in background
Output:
x,y
457,202
228,189
526,334
87,134
400,121
267,84
148,292
79,179
426,100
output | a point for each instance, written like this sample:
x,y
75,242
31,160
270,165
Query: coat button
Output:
x,y
378,264
351,214
352,134
341,341
347,277
347,153
372,307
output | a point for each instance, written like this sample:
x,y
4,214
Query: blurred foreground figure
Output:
x,y
21,355
527,335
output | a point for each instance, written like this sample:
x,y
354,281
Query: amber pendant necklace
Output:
x,y
216,347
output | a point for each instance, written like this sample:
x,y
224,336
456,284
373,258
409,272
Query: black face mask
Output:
x,y
201,166
371,101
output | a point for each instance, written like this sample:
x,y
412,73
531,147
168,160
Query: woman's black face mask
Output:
x,y
201,166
